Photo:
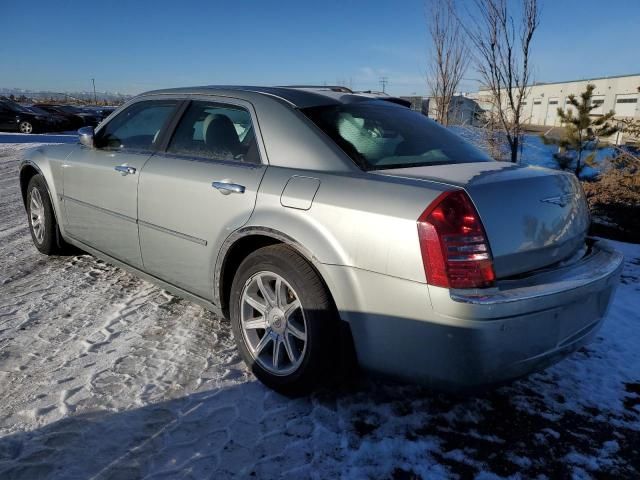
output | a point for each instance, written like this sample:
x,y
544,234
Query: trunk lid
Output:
x,y
533,216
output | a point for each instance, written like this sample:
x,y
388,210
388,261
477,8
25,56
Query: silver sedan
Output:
x,y
321,222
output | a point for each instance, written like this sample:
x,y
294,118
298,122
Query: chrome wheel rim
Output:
x,y
36,214
26,127
273,323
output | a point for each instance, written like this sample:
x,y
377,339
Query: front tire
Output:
x,y
42,221
283,320
26,127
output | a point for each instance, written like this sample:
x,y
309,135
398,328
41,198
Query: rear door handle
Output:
x,y
125,170
225,187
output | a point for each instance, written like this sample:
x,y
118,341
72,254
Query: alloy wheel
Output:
x,y
273,323
36,209
26,127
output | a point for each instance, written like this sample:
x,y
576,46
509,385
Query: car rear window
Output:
x,y
379,135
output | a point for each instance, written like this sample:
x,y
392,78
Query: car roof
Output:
x,y
299,96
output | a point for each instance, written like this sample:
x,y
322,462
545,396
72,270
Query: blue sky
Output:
x,y
138,45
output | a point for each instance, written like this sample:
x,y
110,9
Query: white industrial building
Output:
x,y
619,93
463,109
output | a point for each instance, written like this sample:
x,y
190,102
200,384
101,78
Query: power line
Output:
x,y
95,99
383,82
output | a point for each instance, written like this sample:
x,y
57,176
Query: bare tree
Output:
x,y
502,41
630,127
449,57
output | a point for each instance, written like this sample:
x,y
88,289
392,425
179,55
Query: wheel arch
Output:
x,y
48,161
241,244
28,170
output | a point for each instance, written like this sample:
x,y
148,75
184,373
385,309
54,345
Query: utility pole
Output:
x,y
95,99
384,81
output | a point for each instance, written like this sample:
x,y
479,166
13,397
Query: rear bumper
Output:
x,y
467,339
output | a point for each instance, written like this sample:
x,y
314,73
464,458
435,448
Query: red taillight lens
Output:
x,y
455,249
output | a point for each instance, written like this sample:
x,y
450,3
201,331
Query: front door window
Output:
x,y
136,128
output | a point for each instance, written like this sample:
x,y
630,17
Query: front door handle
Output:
x,y
226,187
125,170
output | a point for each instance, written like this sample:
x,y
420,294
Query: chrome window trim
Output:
x,y
215,161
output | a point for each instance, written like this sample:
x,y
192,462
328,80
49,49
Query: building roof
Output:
x,y
540,84
586,79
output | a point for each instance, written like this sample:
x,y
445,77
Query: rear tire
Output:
x,y
289,339
42,221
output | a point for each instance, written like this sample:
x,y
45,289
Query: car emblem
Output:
x,y
560,200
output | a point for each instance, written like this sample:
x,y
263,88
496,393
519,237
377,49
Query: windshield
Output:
x,y
16,107
377,136
38,110
70,109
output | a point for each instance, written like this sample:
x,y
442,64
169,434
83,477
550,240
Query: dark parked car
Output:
x,y
76,115
72,121
16,118
59,122
101,112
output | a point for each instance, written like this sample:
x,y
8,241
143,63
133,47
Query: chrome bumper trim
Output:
x,y
604,262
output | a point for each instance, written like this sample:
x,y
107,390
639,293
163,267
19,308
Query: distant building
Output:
x,y
418,103
619,93
463,109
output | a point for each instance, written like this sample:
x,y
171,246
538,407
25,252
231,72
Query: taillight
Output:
x,y
455,249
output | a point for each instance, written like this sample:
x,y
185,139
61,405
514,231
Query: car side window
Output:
x,y
217,132
137,127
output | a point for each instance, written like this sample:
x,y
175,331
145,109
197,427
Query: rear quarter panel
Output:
x,y
356,219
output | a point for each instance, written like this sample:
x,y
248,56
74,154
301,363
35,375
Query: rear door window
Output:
x,y
217,132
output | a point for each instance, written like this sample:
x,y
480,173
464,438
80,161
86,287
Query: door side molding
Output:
x,y
100,209
184,236
181,235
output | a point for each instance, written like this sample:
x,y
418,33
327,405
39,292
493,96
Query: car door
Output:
x,y
101,183
198,190
7,119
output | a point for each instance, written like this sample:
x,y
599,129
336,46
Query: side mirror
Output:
x,y
85,135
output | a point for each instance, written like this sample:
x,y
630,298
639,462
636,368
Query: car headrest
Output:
x,y
220,134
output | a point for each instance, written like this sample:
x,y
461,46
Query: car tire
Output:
x,y
25,127
300,337
42,221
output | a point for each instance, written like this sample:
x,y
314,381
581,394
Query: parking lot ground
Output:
x,y
103,375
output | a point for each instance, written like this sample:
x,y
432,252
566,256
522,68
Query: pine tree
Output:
x,y
582,132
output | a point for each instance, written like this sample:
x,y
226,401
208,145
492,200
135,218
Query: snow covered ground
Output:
x,y
105,376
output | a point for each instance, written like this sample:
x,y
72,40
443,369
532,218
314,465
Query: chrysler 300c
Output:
x,y
316,219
